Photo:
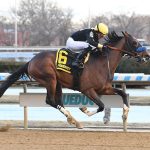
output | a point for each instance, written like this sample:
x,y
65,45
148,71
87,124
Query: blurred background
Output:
x,y
34,25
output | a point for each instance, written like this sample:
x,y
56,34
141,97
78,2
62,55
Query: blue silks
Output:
x,y
141,49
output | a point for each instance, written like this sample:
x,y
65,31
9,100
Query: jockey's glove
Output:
x,y
100,46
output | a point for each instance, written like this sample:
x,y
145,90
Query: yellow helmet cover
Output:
x,y
102,28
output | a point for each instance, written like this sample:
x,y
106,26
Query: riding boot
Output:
x,y
78,63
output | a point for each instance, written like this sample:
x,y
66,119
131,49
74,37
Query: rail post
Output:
x,y
123,87
125,114
25,109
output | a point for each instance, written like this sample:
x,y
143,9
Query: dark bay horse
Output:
x,y
96,78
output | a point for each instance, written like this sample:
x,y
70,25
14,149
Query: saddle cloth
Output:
x,y
64,59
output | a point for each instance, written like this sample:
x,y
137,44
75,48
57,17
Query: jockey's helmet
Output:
x,y
102,28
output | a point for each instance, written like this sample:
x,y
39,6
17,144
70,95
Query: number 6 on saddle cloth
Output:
x,y
64,60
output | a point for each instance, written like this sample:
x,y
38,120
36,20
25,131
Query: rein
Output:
x,y
120,50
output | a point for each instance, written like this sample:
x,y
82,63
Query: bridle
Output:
x,y
132,49
128,46
121,50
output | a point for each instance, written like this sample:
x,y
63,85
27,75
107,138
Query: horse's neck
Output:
x,y
111,61
115,56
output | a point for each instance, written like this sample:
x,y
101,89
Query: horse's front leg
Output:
x,y
125,106
96,99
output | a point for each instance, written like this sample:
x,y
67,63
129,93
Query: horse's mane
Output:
x,y
112,38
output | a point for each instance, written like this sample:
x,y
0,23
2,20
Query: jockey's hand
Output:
x,y
99,47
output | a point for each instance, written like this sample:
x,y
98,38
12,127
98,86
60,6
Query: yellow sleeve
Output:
x,y
100,46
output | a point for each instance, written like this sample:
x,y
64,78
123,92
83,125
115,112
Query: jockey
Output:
x,y
84,39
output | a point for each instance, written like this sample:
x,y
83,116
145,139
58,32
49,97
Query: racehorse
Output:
x,y
95,80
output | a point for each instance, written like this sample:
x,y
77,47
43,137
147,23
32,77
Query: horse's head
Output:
x,y
127,45
133,48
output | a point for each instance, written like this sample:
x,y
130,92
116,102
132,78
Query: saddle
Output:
x,y
64,59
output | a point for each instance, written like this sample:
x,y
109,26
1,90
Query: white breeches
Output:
x,y
76,45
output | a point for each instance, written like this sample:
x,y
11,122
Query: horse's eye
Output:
x,y
135,44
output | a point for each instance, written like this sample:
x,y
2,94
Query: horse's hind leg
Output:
x,y
96,99
54,98
58,97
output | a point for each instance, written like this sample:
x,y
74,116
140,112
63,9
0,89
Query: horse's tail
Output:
x,y
13,77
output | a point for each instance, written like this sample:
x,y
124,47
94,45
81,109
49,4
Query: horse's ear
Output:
x,y
125,33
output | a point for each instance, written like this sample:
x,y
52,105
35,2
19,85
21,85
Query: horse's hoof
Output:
x,y
69,120
106,121
83,109
79,125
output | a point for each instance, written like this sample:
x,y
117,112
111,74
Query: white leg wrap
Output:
x,y
63,110
90,113
125,107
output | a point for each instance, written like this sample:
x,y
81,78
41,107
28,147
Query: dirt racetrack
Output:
x,y
18,139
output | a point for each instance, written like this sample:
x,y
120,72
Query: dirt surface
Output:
x,y
72,140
